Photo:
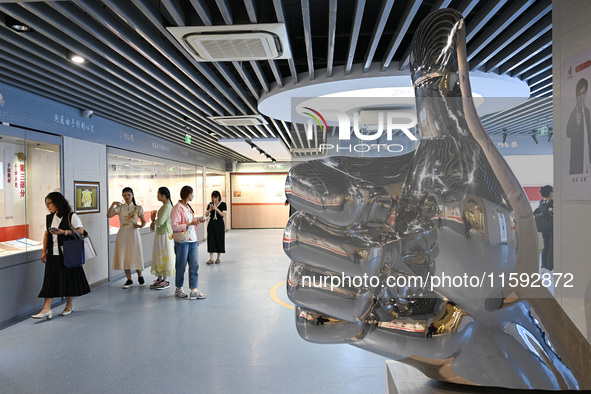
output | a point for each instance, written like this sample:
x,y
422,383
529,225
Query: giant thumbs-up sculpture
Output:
x,y
383,247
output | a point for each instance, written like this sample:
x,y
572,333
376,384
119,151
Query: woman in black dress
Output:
x,y
216,229
59,280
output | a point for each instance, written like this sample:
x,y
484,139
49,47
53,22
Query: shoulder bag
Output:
x,y
73,248
181,237
544,217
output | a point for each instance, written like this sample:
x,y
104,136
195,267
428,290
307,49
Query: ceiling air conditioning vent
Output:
x,y
234,43
249,120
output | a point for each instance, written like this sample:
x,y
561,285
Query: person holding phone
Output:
x,y
183,220
216,229
59,280
128,244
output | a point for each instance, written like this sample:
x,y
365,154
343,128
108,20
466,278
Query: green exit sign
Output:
x,y
187,138
544,131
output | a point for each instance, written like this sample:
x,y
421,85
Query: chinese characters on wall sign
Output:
x,y
73,123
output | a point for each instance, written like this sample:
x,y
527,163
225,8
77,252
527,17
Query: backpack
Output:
x,y
544,216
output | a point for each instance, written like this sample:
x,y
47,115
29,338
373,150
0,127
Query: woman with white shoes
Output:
x,y
128,253
59,280
184,223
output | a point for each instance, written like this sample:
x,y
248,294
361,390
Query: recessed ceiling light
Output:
x,y
74,57
17,26
77,59
20,28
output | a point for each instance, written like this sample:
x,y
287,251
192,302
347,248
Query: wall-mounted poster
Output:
x,y
576,127
86,196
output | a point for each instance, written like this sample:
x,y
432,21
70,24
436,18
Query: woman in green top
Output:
x,y
163,257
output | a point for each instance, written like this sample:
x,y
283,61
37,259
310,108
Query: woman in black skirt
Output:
x,y
216,229
59,280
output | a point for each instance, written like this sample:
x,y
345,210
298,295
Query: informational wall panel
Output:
x,y
258,201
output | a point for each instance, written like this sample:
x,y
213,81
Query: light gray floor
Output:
x,y
238,340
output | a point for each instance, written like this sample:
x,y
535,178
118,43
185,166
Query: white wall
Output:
x,y
532,170
571,33
87,161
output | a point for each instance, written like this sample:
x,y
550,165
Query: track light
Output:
x,y
504,135
533,136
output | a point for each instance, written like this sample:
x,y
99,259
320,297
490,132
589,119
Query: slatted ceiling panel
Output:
x,y
136,67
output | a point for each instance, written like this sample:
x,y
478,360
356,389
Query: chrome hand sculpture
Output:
x,y
374,239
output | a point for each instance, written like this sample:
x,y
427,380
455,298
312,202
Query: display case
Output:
x,y
145,174
30,170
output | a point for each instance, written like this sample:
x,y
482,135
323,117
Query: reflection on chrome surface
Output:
x,y
372,234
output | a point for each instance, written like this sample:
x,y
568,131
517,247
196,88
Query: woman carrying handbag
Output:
x,y
186,249
59,280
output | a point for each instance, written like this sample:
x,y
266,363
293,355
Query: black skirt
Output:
x,y
61,281
216,233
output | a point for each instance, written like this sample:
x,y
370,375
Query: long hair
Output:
x,y
61,204
186,192
217,194
165,192
129,189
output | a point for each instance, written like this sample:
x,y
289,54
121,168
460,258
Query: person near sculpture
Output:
x,y
547,204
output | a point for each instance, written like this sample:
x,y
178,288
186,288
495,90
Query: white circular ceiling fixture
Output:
x,y
360,91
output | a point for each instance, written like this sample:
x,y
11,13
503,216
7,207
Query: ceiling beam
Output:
x,y
409,14
490,9
308,36
515,9
354,37
281,19
512,33
332,27
377,33
518,45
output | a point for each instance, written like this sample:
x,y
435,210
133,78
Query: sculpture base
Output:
x,y
404,379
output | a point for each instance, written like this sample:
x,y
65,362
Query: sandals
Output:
x,y
156,283
163,285
217,261
209,262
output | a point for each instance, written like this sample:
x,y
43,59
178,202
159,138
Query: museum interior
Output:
x,y
388,173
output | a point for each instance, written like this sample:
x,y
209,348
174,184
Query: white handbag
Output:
x,y
181,237
89,251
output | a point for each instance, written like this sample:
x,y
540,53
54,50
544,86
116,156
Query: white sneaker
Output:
x,y
197,295
180,293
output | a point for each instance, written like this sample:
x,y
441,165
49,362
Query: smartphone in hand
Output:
x,y
52,229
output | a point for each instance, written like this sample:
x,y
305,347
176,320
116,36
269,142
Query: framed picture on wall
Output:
x,y
86,197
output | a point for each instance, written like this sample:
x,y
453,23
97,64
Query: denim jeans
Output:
x,y
187,251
